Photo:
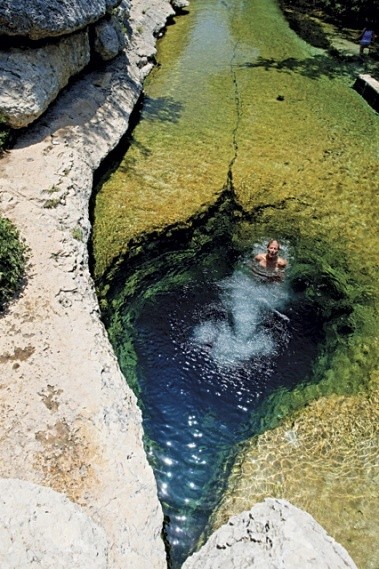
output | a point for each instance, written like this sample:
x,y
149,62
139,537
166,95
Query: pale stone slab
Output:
x,y
272,535
42,528
368,87
30,79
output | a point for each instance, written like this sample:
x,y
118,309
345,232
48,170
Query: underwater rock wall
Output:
x,y
323,460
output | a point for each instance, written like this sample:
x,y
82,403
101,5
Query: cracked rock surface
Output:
x,y
40,19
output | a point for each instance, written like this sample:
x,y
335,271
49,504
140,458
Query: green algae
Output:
x,y
324,459
179,160
239,102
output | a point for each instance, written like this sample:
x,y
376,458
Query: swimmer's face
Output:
x,y
273,249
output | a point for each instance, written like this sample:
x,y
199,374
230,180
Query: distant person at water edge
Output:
x,y
366,38
271,261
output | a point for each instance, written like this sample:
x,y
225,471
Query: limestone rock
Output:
x,y
180,4
272,535
68,419
38,19
31,79
109,39
41,527
368,87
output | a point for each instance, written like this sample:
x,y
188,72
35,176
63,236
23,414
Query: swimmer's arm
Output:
x,y
282,264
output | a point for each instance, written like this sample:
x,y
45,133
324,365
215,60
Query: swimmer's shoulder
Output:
x,y
282,263
260,256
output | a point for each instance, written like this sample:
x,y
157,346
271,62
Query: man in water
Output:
x,y
271,261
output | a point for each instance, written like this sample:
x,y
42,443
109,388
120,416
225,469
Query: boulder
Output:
x,y
109,38
368,88
31,78
43,528
37,19
272,534
179,5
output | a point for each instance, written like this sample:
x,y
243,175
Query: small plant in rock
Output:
x,y
77,233
52,190
4,137
5,134
12,261
52,203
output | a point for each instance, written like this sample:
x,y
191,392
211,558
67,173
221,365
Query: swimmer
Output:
x,y
271,261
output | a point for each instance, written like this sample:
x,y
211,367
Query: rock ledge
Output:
x,y
272,535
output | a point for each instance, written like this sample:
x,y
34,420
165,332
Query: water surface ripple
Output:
x,y
208,353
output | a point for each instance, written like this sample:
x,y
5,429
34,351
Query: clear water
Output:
x,y
306,165
209,351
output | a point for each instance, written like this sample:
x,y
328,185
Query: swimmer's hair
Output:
x,y
272,241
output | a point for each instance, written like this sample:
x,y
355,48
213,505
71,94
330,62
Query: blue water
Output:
x,y
209,352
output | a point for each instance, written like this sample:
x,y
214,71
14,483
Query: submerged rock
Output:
x,y
272,534
331,447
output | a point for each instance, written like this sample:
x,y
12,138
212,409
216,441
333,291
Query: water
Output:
x,y
305,166
209,351
242,335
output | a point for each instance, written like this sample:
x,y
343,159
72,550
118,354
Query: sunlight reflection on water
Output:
x,y
209,351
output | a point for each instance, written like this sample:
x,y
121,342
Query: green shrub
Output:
x,y
12,261
5,134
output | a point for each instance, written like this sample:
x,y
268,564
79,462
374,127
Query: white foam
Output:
x,y
242,336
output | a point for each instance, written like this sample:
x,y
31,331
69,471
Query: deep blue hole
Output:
x,y
209,352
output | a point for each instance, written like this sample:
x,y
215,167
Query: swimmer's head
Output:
x,y
273,247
